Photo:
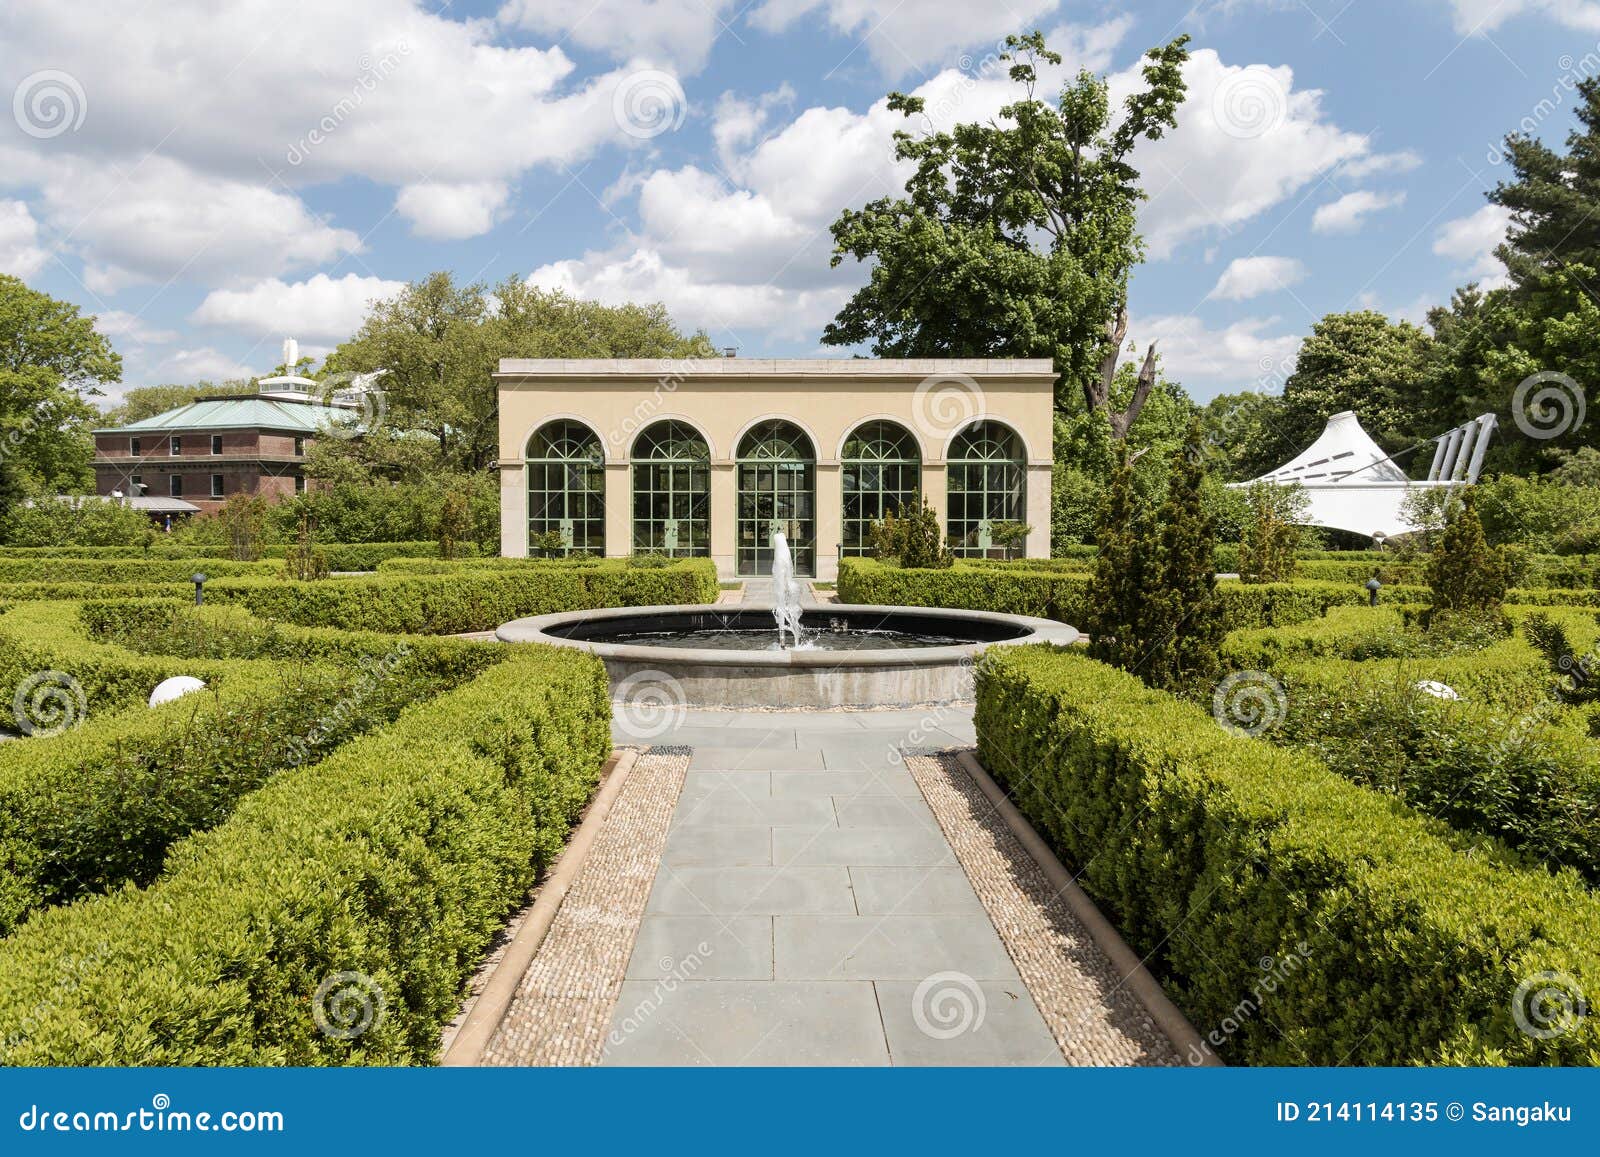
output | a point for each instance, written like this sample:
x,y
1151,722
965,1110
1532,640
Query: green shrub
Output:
x,y
397,858
912,537
110,570
1465,575
467,600
1214,853
349,556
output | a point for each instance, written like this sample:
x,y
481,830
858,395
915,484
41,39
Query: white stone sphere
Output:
x,y
174,688
1437,689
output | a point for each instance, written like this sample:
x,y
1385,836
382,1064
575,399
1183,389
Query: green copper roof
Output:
x,y
234,414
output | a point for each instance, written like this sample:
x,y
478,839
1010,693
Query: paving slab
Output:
x,y
737,891
954,1020
911,847
756,759
888,948
744,784
892,781
884,811
699,948
913,892
727,810
721,1022
718,847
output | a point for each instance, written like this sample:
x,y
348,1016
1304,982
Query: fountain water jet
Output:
x,y
785,590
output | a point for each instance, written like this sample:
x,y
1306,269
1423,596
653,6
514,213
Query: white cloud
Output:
x,y
20,255
1470,242
199,131
678,32
320,307
1479,17
902,37
132,328
453,212
1348,213
1248,277
1242,356
1246,141
202,364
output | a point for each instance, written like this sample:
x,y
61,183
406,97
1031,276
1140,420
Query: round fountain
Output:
x,y
789,656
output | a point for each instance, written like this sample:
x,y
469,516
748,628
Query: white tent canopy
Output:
x,y
1351,484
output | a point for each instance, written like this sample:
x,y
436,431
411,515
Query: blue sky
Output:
x,y
209,178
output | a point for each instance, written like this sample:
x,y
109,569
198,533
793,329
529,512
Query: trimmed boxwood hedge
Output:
x,y
1214,853
467,600
340,555
396,859
1062,596
126,570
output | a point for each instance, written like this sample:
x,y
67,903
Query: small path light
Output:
x,y
1372,589
199,580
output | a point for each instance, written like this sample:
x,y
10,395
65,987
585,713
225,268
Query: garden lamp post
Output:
x,y
199,580
1372,589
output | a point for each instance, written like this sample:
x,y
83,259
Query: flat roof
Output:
x,y
843,368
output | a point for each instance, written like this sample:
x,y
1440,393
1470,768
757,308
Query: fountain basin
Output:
x,y
855,656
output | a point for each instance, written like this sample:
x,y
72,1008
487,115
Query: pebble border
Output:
x,y
1094,1018
564,1002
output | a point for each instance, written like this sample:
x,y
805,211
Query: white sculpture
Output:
x,y
174,688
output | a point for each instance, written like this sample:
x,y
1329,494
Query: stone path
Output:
x,y
807,907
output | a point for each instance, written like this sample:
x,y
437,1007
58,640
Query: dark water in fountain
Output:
x,y
767,640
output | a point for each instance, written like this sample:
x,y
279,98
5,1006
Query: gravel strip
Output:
x,y
1094,1019
563,1005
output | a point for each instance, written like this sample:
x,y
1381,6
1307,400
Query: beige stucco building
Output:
x,y
708,456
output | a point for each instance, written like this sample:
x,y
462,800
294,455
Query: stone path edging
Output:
x,y
1131,971
500,989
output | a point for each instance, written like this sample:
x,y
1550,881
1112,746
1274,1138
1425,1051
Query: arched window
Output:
x,y
567,487
987,475
777,491
671,491
881,470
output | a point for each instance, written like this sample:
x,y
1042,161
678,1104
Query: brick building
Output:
x,y
209,450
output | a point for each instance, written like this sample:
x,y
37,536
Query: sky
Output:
x,y
208,178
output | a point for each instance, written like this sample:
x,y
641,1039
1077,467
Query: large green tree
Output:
x,y
52,361
1357,361
441,343
1016,238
